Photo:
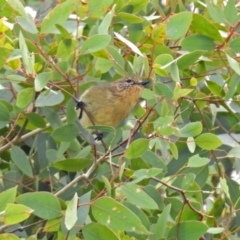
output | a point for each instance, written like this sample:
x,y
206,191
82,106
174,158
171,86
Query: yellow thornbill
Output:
x,y
110,103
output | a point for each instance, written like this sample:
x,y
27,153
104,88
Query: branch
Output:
x,y
22,138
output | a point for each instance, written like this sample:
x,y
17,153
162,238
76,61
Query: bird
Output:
x,y
109,104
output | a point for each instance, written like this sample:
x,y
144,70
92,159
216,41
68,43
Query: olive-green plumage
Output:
x,y
110,103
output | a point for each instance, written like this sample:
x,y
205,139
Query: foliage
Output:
x,y
167,173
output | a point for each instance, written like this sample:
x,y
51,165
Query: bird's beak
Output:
x,y
143,83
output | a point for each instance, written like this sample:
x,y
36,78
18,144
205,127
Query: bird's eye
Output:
x,y
129,81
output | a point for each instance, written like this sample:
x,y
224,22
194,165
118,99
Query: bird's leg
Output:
x,y
80,106
99,136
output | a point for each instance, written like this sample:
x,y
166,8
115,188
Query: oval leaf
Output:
x,y
197,161
72,165
45,204
65,133
191,129
4,115
42,80
96,43
184,230
57,15
96,231
198,42
137,148
21,160
16,213
25,97
136,195
71,212
109,212
176,30
208,141
49,98
6,197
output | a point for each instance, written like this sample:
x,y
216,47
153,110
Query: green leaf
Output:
x,y
36,120
233,64
215,11
110,213
174,150
163,90
161,228
215,88
181,92
131,18
191,129
136,195
27,58
5,53
234,152
128,43
4,115
25,97
97,231
27,24
72,164
49,98
158,33
66,47
117,59
138,5
141,174
201,104
231,12
188,59
18,7
234,191
198,42
16,213
208,141
162,64
137,148
184,230
21,160
103,128
148,94
71,112
163,121
107,185
99,8
233,85
65,34
191,144
42,80
66,133
235,44
202,26
6,197
105,24
95,43
45,204
197,161
71,212
17,78
103,65
57,15
174,71
7,236
138,212
52,225
215,230
176,30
